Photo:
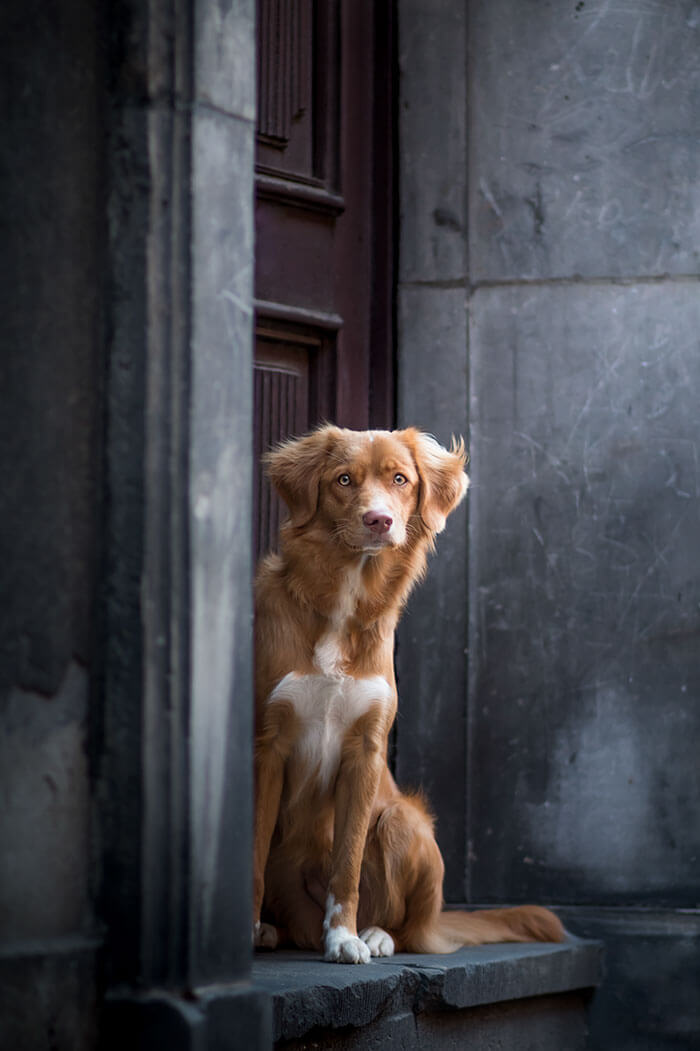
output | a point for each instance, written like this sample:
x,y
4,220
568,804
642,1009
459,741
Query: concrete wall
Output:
x,y
432,393
50,367
125,437
583,281
173,747
548,270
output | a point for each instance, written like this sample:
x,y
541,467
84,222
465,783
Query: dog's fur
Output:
x,y
337,847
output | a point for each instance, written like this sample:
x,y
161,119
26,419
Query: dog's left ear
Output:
x,y
295,467
443,481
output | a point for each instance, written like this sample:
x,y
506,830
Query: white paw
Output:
x,y
378,941
344,947
264,936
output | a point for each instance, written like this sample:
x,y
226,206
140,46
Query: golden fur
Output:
x,y
338,847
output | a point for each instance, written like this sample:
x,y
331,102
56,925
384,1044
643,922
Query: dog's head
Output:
x,y
369,489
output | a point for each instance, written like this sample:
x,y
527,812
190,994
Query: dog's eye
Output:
x,y
344,479
400,479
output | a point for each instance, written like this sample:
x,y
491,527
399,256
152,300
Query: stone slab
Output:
x,y
432,141
310,994
585,592
584,152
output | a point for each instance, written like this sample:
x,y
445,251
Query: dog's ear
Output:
x,y
443,481
295,467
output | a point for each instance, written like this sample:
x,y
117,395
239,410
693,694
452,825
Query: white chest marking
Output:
x,y
327,706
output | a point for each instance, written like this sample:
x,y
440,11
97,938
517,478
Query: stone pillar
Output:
x,y
175,748
50,380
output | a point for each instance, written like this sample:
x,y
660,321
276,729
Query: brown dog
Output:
x,y
337,846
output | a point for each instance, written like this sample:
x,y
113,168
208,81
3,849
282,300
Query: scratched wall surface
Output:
x,y
49,383
585,503
431,308
584,511
586,157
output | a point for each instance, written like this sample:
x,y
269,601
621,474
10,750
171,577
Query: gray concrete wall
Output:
x,y
432,394
585,171
583,282
175,781
50,367
125,437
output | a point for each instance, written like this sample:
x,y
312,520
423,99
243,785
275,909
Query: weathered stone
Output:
x,y
224,61
433,141
585,592
310,995
432,394
219,494
45,817
48,996
652,976
584,146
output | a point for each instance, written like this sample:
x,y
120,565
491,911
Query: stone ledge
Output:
x,y
308,994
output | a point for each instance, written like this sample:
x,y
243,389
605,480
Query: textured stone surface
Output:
x,y
50,372
220,488
432,137
49,361
238,1016
583,139
224,34
583,597
44,819
48,997
542,1024
432,394
550,1023
585,591
649,996
309,994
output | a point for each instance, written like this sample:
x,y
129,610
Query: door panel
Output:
x,y
293,389
298,84
322,284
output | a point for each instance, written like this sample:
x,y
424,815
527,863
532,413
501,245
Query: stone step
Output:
x,y
524,996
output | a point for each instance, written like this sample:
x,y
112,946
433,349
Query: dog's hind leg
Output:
x,y
287,900
272,747
401,888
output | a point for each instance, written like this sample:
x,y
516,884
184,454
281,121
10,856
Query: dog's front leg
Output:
x,y
356,787
273,745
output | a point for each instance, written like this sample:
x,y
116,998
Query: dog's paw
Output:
x,y
377,941
343,947
265,936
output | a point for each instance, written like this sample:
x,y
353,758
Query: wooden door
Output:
x,y
324,253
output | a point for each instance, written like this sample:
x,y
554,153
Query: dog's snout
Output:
x,y
377,521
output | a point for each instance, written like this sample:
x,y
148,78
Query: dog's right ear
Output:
x,y
295,468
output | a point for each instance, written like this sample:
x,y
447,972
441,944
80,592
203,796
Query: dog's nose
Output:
x,y
377,521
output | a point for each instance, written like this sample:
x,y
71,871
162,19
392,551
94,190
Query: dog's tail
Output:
x,y
451,930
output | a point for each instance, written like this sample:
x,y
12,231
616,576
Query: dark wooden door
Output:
x,y
323,280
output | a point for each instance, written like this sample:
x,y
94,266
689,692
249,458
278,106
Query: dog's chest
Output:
x,y
326,707
328,703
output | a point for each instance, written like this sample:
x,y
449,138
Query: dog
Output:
x,y
338,848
